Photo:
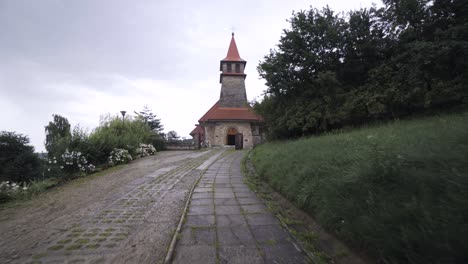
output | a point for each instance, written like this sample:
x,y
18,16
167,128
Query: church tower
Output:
x,y
230,121
232,78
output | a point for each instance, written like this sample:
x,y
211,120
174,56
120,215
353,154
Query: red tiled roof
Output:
x,y
224,113
197,130
233,53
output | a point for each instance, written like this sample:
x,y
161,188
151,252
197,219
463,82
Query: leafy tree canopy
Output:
x,y
330,70
58,135
18,162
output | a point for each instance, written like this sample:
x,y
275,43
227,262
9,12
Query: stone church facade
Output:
x,y
231,120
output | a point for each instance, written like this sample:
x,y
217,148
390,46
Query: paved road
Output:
x,y
126,216
130,216
227,223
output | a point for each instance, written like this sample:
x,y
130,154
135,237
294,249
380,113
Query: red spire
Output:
x,y
233,53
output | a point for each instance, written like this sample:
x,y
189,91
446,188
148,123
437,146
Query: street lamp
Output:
x,y
123,117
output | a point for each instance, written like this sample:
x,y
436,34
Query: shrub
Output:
x,y
112,133
119,156
145,150
10,190
74,161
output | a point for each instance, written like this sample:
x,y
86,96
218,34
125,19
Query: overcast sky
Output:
x,y
82,59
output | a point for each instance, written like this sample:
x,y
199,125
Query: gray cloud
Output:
x,y
83,59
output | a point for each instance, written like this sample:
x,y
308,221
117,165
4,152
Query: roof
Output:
x,y
197,130
233,53
227,113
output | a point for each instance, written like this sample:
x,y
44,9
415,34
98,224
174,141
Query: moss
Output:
x,y
64,241
74,247
38,256
56,247
93,246
82,241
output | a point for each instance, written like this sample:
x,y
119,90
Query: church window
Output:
x,y
229,67
237,67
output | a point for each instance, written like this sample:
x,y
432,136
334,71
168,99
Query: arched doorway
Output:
x,y
231,136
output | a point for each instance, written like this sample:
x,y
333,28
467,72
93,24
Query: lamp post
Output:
x,y
123,117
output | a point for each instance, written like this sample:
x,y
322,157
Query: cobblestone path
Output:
x,y
227,223
134,226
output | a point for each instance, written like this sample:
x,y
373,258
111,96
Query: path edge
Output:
x,y
296,241
171,249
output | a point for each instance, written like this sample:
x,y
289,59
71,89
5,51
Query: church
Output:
x,y
230,121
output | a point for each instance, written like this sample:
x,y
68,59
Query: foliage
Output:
x,y
57,136
113,133
333,70
18,162
172,136
145,150
398,191
159,141
74,162
119,156
8,190
147,116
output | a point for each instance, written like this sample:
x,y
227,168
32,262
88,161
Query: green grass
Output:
x,y
399,191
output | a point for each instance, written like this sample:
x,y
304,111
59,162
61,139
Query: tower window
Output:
x,y
229,67
237,67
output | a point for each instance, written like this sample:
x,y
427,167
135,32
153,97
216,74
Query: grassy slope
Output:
x,y
399,191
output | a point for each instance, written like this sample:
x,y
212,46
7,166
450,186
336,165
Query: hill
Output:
x,y
399,190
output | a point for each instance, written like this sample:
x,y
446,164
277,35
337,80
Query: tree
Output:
x,y
58,136
147,116
332,70
18,162
172,136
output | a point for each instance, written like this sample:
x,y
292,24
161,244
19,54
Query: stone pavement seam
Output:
x,y
171,248
235,227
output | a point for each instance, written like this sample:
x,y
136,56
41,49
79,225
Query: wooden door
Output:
x,y
239,141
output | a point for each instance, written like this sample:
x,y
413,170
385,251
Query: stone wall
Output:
x,y
216,133
233,92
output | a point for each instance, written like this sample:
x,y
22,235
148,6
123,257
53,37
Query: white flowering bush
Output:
x,y
75,161
144,150
119,156
9,189
70,162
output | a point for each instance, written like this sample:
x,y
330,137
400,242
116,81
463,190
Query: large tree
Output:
x,y
58,136
18,162
330,70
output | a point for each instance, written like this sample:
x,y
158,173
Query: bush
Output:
x,y
18,162
10,190
112,133
398,191
119,156
145,150
75,162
